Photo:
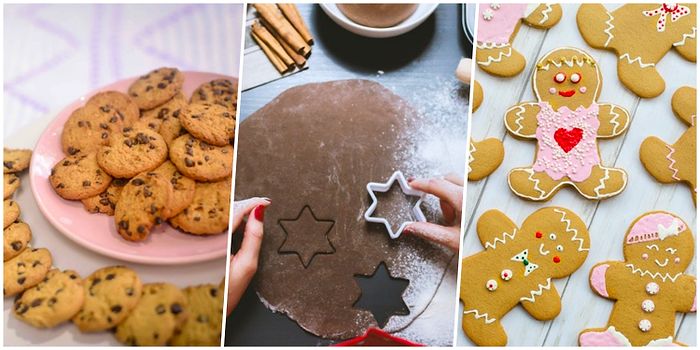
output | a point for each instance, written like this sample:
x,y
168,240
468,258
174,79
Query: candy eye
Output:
x,y
560,77
560,248
552,236
575,78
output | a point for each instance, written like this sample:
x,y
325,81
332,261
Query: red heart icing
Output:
x,y
568,139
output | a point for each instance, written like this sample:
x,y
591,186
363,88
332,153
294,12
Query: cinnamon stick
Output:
x,y
271,14
298,59
272,43
276,61
292,13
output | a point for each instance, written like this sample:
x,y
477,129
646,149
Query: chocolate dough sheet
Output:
x,y
317,146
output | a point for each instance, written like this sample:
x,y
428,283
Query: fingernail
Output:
x,y
259,213
411,178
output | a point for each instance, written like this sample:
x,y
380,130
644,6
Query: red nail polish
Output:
x,y
411,178
259,213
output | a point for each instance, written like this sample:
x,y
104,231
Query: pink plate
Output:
x,y
165,245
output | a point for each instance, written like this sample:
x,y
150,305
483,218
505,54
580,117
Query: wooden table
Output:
x,y
607,220
418,66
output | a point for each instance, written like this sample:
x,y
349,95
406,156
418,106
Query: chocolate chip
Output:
x,y
71,150
214,292
116,309
202,318
61,185
124,225
162,85
23,309
17,245
160,309
141,229
175,308
104,135
73,276
110,277
137,182
36,263
105,201
105,108
189,163
21,280
86,183
95,282
36,302
129,291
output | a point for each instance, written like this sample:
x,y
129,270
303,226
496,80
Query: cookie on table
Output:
x,y
79,177
15,160
183,187
209,211
205,304
161,311
156,87
110,295
171,129
106,201
143,203
478,96
53,301
485,157
132,151
89,127
154,118
25,270
201,161
11,184
117,103
211,123
16,237
219,91
10,212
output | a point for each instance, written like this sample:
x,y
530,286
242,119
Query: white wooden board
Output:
x,y
608,220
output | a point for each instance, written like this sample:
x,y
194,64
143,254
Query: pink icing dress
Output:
x,y
497,22
567,141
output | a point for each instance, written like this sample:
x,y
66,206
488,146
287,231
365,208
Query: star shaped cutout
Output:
x,y
382,294
306,236
397,219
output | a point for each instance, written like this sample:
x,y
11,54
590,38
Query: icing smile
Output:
x,y
542,251
660,264
567,93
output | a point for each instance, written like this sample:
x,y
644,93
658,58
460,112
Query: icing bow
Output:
x,y
673,229
522,257
676,10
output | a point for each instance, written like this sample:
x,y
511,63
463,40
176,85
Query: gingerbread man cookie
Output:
x,y
485,156
675,163
649,287
498,25
566,121
640,35
517,267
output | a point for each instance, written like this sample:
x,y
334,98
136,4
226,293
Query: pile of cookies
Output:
x,y
110,298
151,156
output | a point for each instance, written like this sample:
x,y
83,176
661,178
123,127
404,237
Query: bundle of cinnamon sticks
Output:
x,y
283,36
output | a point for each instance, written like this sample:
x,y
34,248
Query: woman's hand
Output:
x,y
244,263
450,191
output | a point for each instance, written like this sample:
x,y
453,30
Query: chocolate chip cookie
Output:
x,y
11,184
209,211
16,237
53,301
143,203
183,187
205,305
79,177
201,161
156,87
15,160
10,212
161,311
132,151
219,91
25,270
154,118
209,122
89,127
106,201
117,103
110,295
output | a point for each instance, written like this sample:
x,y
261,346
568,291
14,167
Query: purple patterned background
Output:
x,y
55,53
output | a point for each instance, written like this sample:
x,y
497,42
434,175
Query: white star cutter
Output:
x,y
373,187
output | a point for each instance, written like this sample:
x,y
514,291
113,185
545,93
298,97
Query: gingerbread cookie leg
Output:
x,y
602,337
533,185
687,46
603,182
484,158
657,157
631,69
502,60
594,23
488,331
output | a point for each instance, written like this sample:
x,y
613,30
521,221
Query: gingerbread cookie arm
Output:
x,y
684,104
686,300
544,302
614,120
687,46
521,119
495,228
545,16
603,279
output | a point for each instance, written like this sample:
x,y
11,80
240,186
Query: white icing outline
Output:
x,y
545,13
502,240
477,316
601,186
518,120
472,149
540,289
546,67
686,36
500,57
614,119
637,60
652,246
653,275
569,229
672,162
660,265
609,28
385,187
562,183
542,251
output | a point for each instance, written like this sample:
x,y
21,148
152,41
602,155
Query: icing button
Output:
x,y
648,305
644,325
495,6
487,14
491,285
506,275
652,288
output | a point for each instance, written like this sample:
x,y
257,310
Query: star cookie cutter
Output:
x,y
373,187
